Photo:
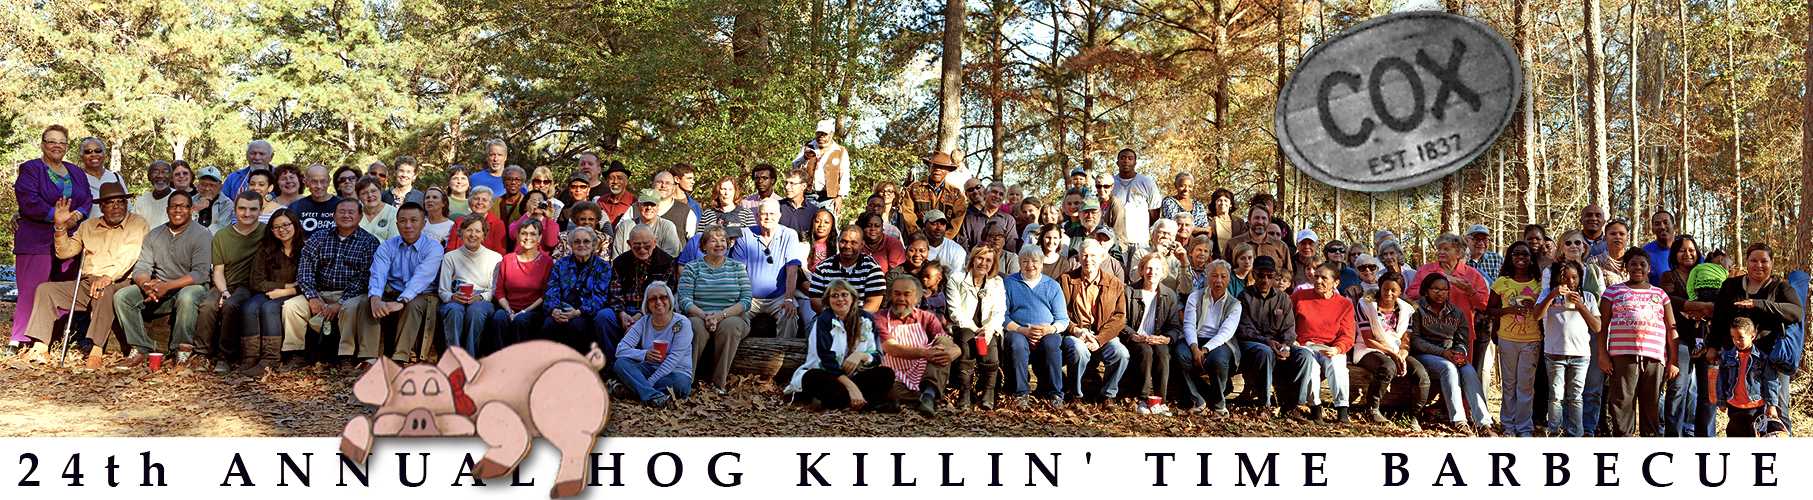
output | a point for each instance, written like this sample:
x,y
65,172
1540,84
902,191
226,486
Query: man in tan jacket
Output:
x,y
1097,304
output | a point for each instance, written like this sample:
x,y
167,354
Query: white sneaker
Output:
x,y
1142,409
1161,409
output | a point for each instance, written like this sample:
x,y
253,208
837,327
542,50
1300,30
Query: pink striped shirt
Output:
x,y
1636,322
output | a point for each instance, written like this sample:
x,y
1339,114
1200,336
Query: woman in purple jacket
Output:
x,y
40,184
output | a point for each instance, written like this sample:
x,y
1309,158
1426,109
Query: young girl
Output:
x,y
1639,342
823,238
459,186
1384,322
1569,323
932,277
1439,337
1519,337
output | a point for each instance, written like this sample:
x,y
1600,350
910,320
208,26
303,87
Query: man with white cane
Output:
x,y
109,246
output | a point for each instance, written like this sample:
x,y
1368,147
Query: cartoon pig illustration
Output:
x,y
532,389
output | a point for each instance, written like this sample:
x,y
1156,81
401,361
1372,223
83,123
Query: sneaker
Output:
x,y
1221,411
133,360
222,366
1373,415
1023,402
617,389
660,402
186,358
1056,404
1162,410
1141,408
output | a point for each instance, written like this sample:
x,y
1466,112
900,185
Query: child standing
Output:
x,y
1741,383
1513,302
1569,323
1637,348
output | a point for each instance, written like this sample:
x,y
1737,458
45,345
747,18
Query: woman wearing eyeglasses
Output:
x,y
543,180
346,180
41,183
182,177
715,293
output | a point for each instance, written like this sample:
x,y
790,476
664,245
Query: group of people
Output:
x,y
936,298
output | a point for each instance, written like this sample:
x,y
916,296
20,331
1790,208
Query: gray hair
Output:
x,y
1183,175
497,142
1105,176
650,288
998,184
1164,224
1368,259
767,204
1218,263
85,142
587,230
1450,239
253,144
1392,245
642,228
518,170
1092,245
477,190
1031,253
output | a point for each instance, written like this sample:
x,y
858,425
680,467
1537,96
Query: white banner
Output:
x,y
275,468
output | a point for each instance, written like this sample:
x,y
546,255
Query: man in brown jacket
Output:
x,y
1258,218
1097,304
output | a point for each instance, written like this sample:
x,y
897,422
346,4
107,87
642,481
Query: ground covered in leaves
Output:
x,y
39,400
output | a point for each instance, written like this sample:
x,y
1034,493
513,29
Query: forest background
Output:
x,y
1699,107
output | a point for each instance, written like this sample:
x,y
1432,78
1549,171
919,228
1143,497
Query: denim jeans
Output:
x,y
1775,390
1592,397
1207,384
462,323
1335,371
1457,385
1517,371
635,375
1291,376
130,309
1704,411
1567,380
262,315
1679,410
1050,357
1112,353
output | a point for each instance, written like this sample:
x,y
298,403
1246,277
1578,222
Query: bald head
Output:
x,y
1592,221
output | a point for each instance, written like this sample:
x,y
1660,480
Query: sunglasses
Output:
x,y
1335,250
93,151
1368,267
541,182
1105,186
1575,243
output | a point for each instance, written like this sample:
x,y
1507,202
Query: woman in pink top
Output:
x,y
1469,289
1639,341
521,279
535,206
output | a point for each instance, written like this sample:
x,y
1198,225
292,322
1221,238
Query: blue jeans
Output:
x,y
1457,385
130,309
1082,360
1517,363
1592,398
1050,358
1290,376
1679,410
1208,384
1775,390
635,375
262,315
462,323
1704,412
1567,379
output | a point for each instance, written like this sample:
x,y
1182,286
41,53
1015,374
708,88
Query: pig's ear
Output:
x,y
373,388
457,359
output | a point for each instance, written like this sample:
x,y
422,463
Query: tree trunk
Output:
x,y
769,357
998,128
950,89
1804,233
1737,139
1597,174
748,53
1450,220
1684,189
1638,208
1526,116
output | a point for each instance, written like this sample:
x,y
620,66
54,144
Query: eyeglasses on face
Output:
x,y
1368,268
95,151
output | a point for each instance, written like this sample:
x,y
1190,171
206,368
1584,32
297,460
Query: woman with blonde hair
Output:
x,y
979,312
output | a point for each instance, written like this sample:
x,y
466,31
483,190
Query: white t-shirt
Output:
x,y
1565,332
94,183
151,208
951,255
1139,195
438,232
1146,323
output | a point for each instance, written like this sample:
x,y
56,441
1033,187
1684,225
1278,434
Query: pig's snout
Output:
x,y
419,423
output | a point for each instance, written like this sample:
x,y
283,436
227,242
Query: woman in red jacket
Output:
x,y
1325,326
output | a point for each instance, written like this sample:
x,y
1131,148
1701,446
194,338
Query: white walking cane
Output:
x,y
68,327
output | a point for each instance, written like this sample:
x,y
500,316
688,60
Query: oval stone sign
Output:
x,y
1398,101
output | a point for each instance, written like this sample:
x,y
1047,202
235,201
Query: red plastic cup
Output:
x,y
981,345
1154,401
661,348
157,361
466,289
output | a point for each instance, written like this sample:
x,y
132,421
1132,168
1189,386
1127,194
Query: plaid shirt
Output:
x,y
583,286
1488,264
331,263
633,276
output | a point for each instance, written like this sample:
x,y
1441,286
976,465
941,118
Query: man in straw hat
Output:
x,y
934,193
109,246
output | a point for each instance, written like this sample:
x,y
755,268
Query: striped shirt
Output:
x,y
865,276
713,289
1636,322
916,330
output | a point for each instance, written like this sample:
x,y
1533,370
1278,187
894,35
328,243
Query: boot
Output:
x,y
1374,398
248,353
1341,414
987,395
270,354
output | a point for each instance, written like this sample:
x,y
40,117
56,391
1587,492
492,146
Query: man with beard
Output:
x,y
172,267
619,200
258,157
645,263
151,204
497,156
109,246
933,193
590,169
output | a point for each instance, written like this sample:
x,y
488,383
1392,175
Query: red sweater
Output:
x,y
1329,321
